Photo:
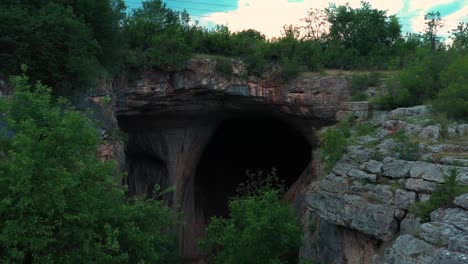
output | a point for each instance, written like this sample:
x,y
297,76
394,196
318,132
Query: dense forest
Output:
x,y
62,206
70,45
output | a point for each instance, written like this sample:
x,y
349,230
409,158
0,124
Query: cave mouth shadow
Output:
x,y
247,143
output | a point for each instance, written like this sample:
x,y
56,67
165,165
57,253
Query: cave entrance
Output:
x,y
241,144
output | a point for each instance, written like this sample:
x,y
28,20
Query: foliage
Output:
x,y
364,129
257,183
360,82
224,67
409,147
363,30
67,44
168,49
433,24
260,229
442,197
332,146
453,99
460,38
58,202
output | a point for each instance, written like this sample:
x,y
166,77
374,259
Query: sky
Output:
x,y
269,16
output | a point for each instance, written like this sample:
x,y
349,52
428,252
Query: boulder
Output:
x,y
409,250
372,166
426,171
394,168
461,201
404,199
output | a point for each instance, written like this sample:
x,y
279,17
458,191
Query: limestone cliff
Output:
x,y
198,131
366,199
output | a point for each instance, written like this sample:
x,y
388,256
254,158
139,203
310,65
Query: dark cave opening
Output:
x,y
241,144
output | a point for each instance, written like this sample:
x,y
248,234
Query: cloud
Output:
x,y
269,16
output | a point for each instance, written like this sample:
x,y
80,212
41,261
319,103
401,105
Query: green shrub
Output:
x,y
59,203
453,101
224,67
257,183
360,82
260,229
364,129
442,197
332,147
409,147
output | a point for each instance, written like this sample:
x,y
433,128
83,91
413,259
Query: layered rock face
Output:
x,y
371,192
197,132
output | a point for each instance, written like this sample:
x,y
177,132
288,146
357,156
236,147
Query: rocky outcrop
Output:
x,y
372,189
199,89
172,118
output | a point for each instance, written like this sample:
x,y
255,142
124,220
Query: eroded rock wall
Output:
x,y
365,201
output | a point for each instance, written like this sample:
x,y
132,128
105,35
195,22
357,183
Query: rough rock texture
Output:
x,y
198,89
172,116
371,191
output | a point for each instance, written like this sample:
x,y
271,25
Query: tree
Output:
x,y
67,44
460,38
433,24
58,202
316,24
365,30
261,228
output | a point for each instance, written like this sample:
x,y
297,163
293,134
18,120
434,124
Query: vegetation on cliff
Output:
x,y
58,202
261,228
70,45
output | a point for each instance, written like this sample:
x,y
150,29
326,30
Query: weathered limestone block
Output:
x,y
443,256
334,184
437,233
430,132
394,168
355,212
343,166
376,193
461,201
427,171
359,153
409,250
361,175
420,185
462,178
459,243
410,224
404,199
456,217
419,110
454,161
372,219
372,166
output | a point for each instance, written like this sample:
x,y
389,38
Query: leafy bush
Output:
x,y
453,101
360,82
453,98
261,228
409,147
58,202
257,183
332,146
442,197
224,67
364,129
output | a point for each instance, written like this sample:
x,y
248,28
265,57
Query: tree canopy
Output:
x,y
59,202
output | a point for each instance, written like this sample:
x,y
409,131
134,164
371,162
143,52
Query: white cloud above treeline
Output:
x,y
269,16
